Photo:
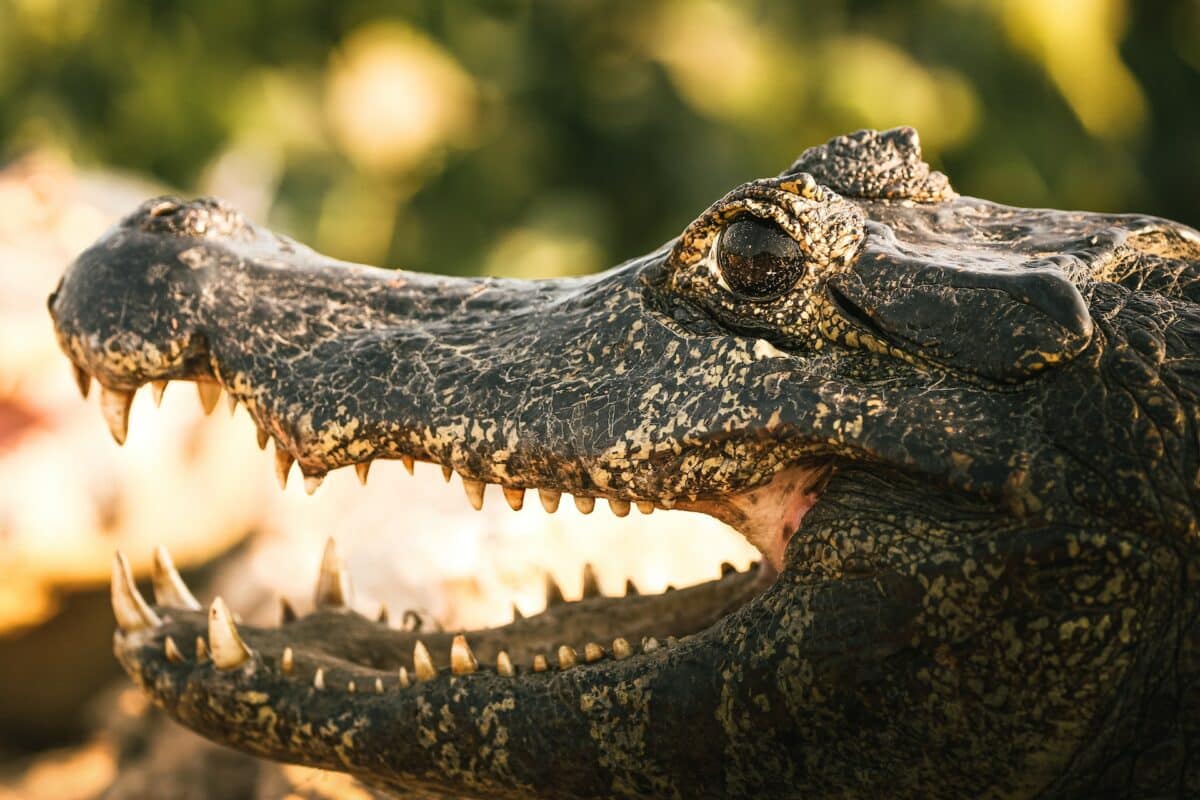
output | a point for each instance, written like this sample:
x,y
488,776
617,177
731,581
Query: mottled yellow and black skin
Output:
x,y
995,595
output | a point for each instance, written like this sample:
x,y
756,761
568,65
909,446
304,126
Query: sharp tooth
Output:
x,y
727,568
462,660
504,664
129,607
618,507
361,469
210,393
649,644
169,588
408,463
630,587
549,498
319,679
158,388
312,483
591,584
351,687
379,686
446,473
592,652
566,657
228,649
515,497
645,506
404,682
585,504
554,595
171,651
621,649
382,618
263,438
201,650
283,464
474,490
286,612
288,662
422,663
232,401
82,379
517,613
114,404
539,663
333,582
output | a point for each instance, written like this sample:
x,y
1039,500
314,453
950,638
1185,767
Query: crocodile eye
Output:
x,y
757,259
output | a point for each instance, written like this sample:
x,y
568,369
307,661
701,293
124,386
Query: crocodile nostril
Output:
x,y
164,208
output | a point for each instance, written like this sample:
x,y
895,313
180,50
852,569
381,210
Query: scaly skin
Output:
x,y
963,435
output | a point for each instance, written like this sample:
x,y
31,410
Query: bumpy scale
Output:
x,y
963,436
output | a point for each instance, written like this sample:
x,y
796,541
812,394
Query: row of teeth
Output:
x,y
115,405
228,650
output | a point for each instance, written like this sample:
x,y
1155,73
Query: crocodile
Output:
x,y
962,435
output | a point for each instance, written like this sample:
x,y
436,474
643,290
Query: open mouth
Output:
x,y
335,647
559,387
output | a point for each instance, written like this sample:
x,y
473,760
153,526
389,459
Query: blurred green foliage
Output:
x,y
532,138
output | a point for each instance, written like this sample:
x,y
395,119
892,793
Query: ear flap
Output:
x,y
1002,320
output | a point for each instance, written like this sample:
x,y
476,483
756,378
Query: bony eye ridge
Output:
x,y
757,259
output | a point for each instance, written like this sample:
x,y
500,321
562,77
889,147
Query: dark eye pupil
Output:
x,y
758,259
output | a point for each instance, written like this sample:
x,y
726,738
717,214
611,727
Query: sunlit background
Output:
x,y
511,138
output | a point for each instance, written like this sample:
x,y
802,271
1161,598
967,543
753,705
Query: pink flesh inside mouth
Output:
x,y
768,516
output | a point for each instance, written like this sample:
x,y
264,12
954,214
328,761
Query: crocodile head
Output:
x,y
963,436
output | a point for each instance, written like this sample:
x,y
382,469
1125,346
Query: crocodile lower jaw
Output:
x,y
333,646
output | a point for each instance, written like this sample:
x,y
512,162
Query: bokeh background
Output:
x,y
515,138
523,137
